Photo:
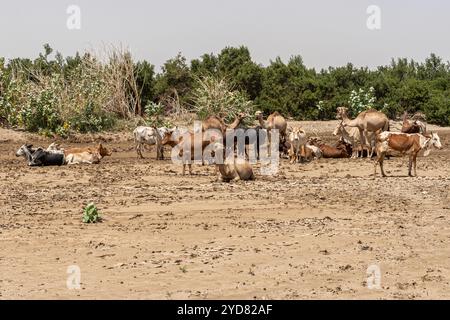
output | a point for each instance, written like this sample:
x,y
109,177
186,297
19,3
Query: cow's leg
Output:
x,y
158,151
139,150
415,164
162,151
379,160
184,169
291,154
302,153
190,168
410,165
372,146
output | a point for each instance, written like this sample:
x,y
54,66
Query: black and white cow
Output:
x,y
39,156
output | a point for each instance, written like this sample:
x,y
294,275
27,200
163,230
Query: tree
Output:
x,y
175,79
145,80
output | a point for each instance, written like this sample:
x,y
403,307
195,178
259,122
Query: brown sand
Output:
x,y
309,233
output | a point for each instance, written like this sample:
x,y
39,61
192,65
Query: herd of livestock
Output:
x,y
367,135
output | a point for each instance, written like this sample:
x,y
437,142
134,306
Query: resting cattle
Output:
x,y
327,151
90,155
404,143
316,152
150,136
40,157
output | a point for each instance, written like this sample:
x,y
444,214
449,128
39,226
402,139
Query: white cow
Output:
x,y
151,136
297,139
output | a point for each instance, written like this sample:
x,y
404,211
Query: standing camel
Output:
x,y
367,121
274,121
214,122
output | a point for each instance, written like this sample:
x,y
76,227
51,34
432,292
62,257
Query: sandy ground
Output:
x,y
311,232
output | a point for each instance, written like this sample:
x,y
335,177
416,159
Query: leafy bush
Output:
x,y
56,96
91,214
92,119
213,96
40,113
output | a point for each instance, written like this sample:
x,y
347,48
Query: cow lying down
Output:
x,y
57,156
40,157
89,155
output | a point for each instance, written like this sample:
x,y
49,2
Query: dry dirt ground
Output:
x,y
311,232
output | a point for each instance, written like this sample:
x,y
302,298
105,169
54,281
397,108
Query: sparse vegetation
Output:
x,y
91,214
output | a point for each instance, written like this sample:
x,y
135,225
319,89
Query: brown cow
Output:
x,y
340,151
404,143
88,155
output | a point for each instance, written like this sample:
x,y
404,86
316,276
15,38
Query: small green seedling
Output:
x,y
91,214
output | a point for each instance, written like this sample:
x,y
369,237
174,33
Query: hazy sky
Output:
x,y
323,32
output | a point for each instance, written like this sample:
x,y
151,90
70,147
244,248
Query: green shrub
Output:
x,y
91,214
41,112
92,119
213,96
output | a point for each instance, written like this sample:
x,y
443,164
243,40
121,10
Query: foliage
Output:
x,y
215,96
57,96
53,94
154,115
91,214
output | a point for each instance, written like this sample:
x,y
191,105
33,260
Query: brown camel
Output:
x,y
236,169
367,121
415,126
214,122
274,121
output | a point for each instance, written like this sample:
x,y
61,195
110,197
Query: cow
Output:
x,y
40,157
89,155
327,151
150,136
404,143
297,139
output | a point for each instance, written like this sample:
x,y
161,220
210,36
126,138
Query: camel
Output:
x,y
274,121
367,121
415,126
186,142
214,122
238,169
